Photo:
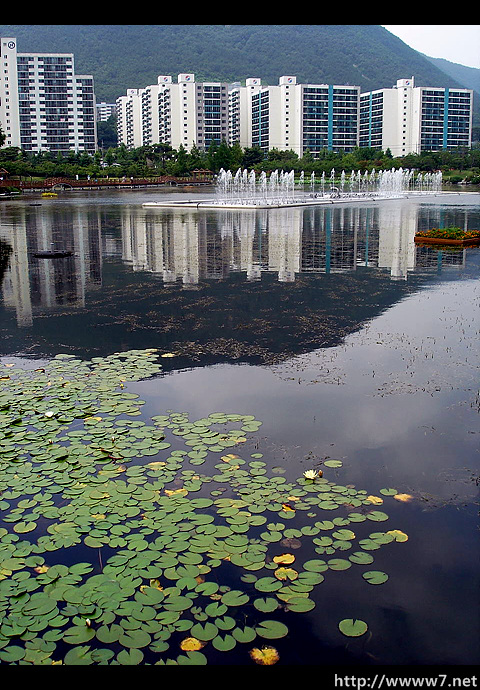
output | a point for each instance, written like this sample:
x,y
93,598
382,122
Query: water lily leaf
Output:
x,y
23,527
315,565
271,629
266,604
245,634
207,588
194,658
327,505
39,605
225,643
361,558
131,657
339,564
344,534
300,604
93,543
225,623
77,634
333,463
78,656
108,634
369,544
235,598
135,638
381,537
268,584
271,536
205,632
12,654
352,627
309,578
377,516
177,603
375,577
216,608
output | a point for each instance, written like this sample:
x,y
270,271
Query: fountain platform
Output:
x,y
243,191
245,205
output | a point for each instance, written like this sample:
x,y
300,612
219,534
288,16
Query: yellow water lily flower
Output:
x,y
310,474
404,498
266,656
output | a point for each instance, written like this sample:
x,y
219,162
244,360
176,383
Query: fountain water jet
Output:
x,y
244,189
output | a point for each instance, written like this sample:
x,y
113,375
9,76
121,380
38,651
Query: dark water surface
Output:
x,y
331,327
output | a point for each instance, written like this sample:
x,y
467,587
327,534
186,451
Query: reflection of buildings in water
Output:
x,y
286,241
396,248
189,246
339,238
31,284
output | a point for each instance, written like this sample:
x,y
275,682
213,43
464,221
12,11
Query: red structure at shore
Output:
x,y
198,177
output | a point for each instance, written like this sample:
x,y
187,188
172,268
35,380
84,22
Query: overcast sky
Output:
x,y
458,43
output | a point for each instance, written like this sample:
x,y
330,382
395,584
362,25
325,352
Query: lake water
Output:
x,y
327,324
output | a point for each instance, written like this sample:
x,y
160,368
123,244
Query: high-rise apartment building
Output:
x,y
186,113
296,117
301,117
288,116
104,111
240,111
128,119
410,119
44,105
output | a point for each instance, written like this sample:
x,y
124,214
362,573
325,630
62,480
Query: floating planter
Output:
x,y
448,236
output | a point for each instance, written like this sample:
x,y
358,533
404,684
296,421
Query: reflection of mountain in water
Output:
x,y
210,286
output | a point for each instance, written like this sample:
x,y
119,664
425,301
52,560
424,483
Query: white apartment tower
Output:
x,y
293,116
104,111
409,119
44,105
186,113
128,119
240,111
301,117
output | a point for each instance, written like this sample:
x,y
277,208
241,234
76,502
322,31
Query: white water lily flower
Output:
x,y
310,474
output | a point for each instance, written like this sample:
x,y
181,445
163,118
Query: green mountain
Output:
x,y
468,77
132,56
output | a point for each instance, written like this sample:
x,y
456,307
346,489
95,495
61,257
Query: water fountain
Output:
x,y
246,190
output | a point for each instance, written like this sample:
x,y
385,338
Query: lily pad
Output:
x,y
375,577
204,632
235,598
271,630
300,604
266,604
352,627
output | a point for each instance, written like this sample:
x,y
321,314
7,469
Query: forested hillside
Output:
x,y
132,56
468,77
